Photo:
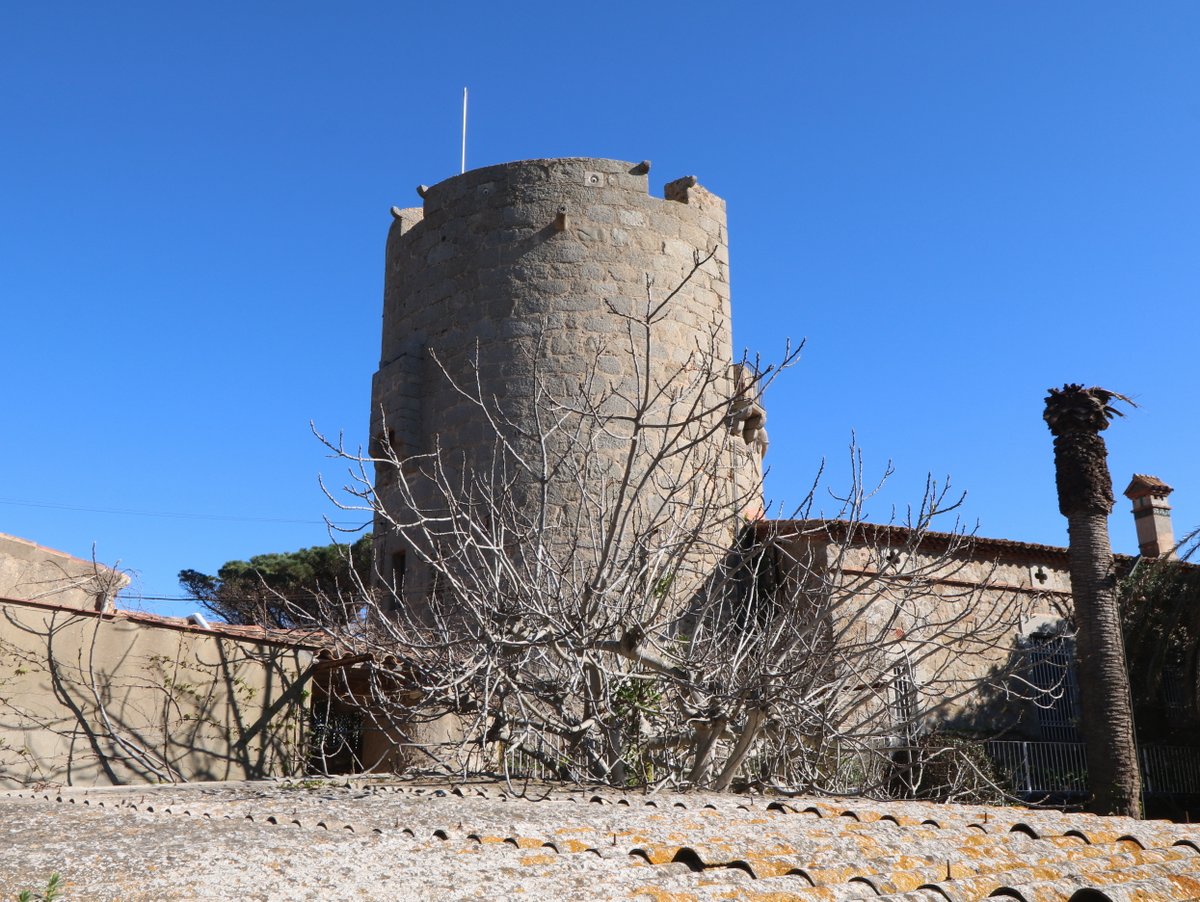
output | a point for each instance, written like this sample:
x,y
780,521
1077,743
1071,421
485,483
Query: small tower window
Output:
x,y
398,565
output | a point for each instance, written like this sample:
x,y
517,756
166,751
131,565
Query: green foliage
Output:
x,y
286,589
1160,611
951,766
634,699
52,891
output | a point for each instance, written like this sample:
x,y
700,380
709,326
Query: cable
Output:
x,y
182,599
178,516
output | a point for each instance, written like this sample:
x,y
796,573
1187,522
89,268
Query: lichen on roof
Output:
x,y
411,841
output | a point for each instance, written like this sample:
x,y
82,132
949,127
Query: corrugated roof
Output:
x,y
411,841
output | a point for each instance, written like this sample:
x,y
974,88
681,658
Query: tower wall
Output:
x,y
530,263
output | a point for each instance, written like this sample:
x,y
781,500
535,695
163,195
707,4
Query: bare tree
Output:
x,y
1076,416
598,598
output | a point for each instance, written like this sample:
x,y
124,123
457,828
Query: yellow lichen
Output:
x,y
661,895
572,845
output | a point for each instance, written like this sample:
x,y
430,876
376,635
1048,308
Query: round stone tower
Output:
x,y
517,281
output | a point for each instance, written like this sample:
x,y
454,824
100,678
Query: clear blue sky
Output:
x,y
957,204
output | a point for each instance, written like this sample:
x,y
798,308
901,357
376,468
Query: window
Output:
x,y
904,701
1052,673
1176,689
398,565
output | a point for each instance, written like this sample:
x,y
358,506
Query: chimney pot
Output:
x,y
1152,515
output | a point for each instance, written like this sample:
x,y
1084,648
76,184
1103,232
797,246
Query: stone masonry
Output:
x,y
518,274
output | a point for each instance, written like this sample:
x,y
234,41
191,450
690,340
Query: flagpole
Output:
x,y
464,133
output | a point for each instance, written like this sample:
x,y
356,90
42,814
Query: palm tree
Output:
x,y
1076,416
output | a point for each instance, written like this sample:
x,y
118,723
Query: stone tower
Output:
x,y
514,277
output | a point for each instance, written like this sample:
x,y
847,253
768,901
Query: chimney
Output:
x,y
1152,515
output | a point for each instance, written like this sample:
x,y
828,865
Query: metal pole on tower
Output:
x,y
464,134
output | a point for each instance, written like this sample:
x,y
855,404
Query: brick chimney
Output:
x,y
1152,515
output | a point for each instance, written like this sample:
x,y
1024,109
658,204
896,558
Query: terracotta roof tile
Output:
x,y
481,840
1143,484
843,530
251,633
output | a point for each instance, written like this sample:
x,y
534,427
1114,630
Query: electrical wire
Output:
x,y
168,514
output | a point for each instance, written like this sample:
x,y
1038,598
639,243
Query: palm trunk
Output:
x,y
1077,416
1105,700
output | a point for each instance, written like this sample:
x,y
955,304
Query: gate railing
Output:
x,y
1037,768
1041,767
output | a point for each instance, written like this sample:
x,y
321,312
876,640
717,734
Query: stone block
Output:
x,y
599,214
633,218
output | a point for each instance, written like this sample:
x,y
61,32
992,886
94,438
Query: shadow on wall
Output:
x,y
89,698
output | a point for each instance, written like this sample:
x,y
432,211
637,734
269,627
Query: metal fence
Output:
x,y
1060,768
1170,769
530,761
1041,768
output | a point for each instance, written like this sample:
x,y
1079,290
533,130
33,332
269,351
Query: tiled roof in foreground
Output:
x,y
266,841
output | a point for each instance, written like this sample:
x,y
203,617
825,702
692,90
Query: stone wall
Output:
x,y
90,699
961,611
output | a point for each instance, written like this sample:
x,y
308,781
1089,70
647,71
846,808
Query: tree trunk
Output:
x,y
706,738
756,719
1105,699
1077,416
